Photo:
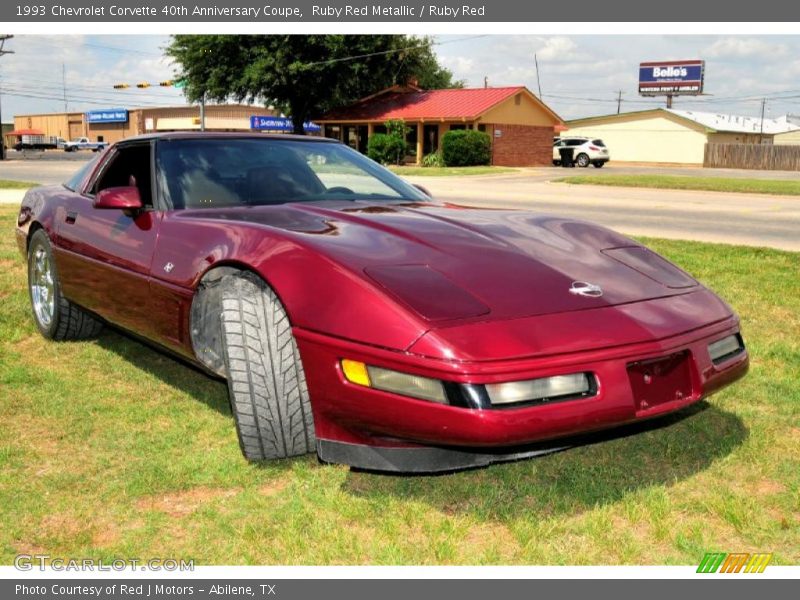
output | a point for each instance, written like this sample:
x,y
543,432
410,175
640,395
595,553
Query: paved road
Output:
x,y
750,219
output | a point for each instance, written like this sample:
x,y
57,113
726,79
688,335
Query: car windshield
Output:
x,y
225,172
74,182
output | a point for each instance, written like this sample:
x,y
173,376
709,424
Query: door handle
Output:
x,y
71,216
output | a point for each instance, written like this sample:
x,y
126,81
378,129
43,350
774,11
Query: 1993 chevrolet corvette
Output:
x,y
353,315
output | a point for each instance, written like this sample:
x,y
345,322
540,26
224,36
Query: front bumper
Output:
x,y
376,430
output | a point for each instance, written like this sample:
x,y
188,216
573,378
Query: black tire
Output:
x,y
266,382
582,160
67,321
599,165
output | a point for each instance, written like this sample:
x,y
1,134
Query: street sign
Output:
x,y
281,124
109,115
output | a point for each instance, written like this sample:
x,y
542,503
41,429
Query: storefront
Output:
x,y
521,126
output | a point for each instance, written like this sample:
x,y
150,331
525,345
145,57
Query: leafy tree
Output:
x,y
302,75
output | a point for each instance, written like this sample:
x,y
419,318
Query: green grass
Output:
x,y
110,449
449,171
708,184
9,184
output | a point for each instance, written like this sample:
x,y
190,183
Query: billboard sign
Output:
x,y
671,77
109,115
283,124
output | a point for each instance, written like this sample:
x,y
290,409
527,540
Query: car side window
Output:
x,y
130,165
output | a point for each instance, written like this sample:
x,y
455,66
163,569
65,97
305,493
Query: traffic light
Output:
x,y
167,83
121,86
142,84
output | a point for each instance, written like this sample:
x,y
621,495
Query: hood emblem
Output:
x,y
583,288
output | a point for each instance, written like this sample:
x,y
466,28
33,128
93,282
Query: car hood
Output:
x,y
448,262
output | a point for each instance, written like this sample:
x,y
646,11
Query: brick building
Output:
x,y
520,125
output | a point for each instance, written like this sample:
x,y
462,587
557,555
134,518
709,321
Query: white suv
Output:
x,y
585,151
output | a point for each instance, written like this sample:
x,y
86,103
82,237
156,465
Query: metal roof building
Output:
x,y
520,125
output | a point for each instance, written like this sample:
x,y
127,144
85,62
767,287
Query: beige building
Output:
x,y
71,125
675,136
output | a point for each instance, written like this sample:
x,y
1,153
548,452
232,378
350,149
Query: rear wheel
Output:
x,y
582,160
56,317
266,382
599,165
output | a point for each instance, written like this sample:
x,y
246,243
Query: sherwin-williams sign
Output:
x,y
111,115
673,77
278,124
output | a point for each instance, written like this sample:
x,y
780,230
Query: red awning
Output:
x,y
19,132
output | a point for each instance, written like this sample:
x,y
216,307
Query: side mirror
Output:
x,y
423,189
125,198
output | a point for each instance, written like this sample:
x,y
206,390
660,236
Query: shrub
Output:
x,y
433,159
466,147
390,147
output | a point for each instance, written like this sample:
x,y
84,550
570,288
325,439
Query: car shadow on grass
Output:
x,y
168,368
600,469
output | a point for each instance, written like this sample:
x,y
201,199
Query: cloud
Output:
x,y
559,48
737,47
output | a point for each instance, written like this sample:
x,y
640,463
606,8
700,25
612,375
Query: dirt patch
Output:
x,y
273,488
768,487
181,504
485,537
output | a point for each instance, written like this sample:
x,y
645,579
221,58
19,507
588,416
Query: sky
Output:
x,y
580,75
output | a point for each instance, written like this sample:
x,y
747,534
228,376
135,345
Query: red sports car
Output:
x,y
353,315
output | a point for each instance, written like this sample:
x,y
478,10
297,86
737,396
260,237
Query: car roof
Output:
x,y
194,135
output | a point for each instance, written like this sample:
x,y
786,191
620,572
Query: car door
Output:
x,y
104,254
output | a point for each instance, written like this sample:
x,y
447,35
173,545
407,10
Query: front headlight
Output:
x,y
546,388
395,382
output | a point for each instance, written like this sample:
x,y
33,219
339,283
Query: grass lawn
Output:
x,y
9,184
675,182
109,449
449,171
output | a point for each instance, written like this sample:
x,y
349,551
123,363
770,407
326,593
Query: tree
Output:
x,y
303,76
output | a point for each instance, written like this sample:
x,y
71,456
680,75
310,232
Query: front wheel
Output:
x,y
266,382
598,165
56,317
582,160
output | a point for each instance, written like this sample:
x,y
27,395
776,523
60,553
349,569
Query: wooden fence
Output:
x,y
766,157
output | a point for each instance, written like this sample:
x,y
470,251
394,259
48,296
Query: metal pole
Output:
x,y
538,81
669,100
761,130
64,84
619,101
3,40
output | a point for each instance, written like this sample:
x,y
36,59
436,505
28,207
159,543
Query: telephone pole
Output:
x,y
3,52
619,101
761,130
538,81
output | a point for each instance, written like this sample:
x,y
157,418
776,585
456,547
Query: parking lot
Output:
x,y
747,219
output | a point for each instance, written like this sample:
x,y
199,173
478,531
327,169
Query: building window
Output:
x,y
482,127
457,126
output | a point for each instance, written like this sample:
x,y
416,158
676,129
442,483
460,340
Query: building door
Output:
x,y
363,138
430,143
75,130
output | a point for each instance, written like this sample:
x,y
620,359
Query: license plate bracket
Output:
x,y
661,380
